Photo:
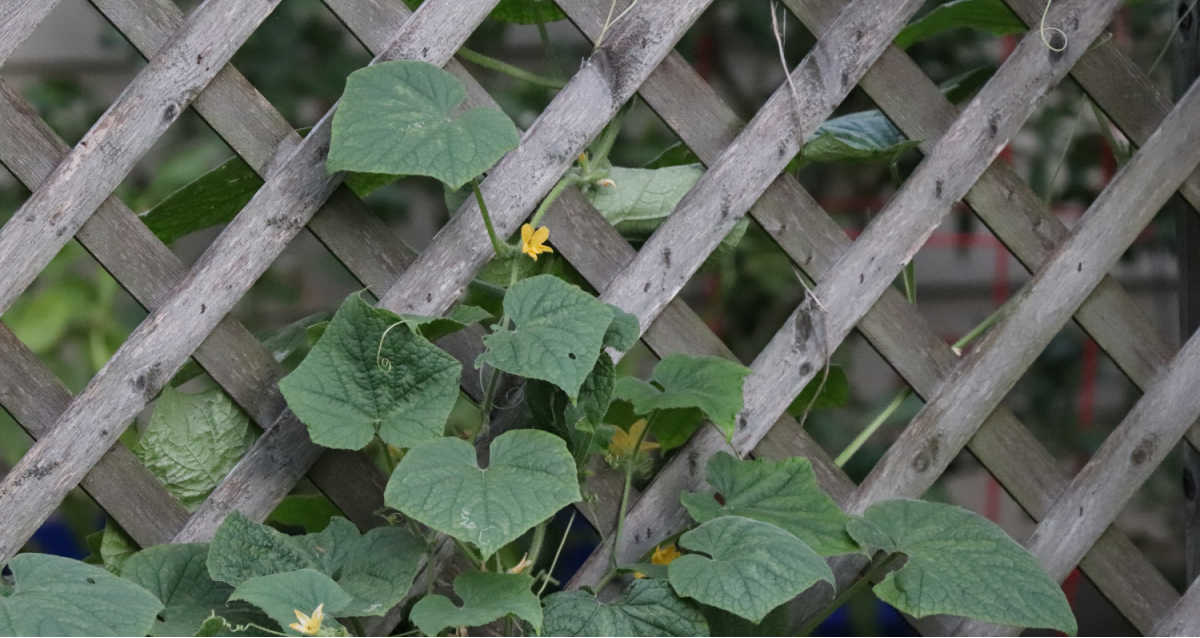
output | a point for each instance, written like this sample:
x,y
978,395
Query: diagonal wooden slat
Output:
x,y
798,351
149,271
18,19
1159,419
106,154
164,340
1184,618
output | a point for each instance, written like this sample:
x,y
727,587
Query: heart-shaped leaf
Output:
x,y
281,595
784,493
178,576
559,330
991,16
959,563
531,476
400,118
375,569
712,384
754,566
193,440
356,382
649,608
486,596
56,596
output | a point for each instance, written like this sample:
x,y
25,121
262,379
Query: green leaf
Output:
x,y
754,566
834,394
649,608
213,199
193,441
178,576
784,493
41,322
349,387
673,428
865,136
528,11
56,596
641,199
530,477
459,317
310,512
375,569
623,332
991,16
962,564
402,118
559,331
486,596
594,394
115,547
713,384
281,595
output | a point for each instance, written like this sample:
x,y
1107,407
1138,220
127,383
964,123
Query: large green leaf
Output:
x,y
375,569
713,384
281,595
350,386
527,11
649,608
559,330
401,118
641,199
784,493
56,596
754,566
864,136
531,476
623,332
193,441
178,576
959,563
992,16
486,596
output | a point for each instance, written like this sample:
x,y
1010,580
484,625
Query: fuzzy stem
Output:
x,y
871,428
510,70
557,552
500,247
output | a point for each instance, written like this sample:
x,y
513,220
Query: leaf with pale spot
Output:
x,y
402,118
649,608
531,475
355,382
751,567
959,563
784,493
486,597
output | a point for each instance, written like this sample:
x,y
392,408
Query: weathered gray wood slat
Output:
x,y
1120,87
1184,618
1123,463
608,78
149,270
1039,310
18,19
715,444
119,482
226,270
105,155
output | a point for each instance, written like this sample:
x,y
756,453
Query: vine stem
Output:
x,y
977,330
629,465
500,247
871,428
510,70
557,552
878,568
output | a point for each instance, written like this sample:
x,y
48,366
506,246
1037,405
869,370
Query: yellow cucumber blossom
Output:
x,y
533,242
622,442
661,556
309,625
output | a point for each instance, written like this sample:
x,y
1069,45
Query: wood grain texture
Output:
x,y
1184,618
18,19
607,79
107,152
149,271
220,277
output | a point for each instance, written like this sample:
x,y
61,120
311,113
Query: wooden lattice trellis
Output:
x,y
188,67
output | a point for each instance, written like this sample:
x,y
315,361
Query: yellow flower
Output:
x,y
309,626
622,442
533,242
661,556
